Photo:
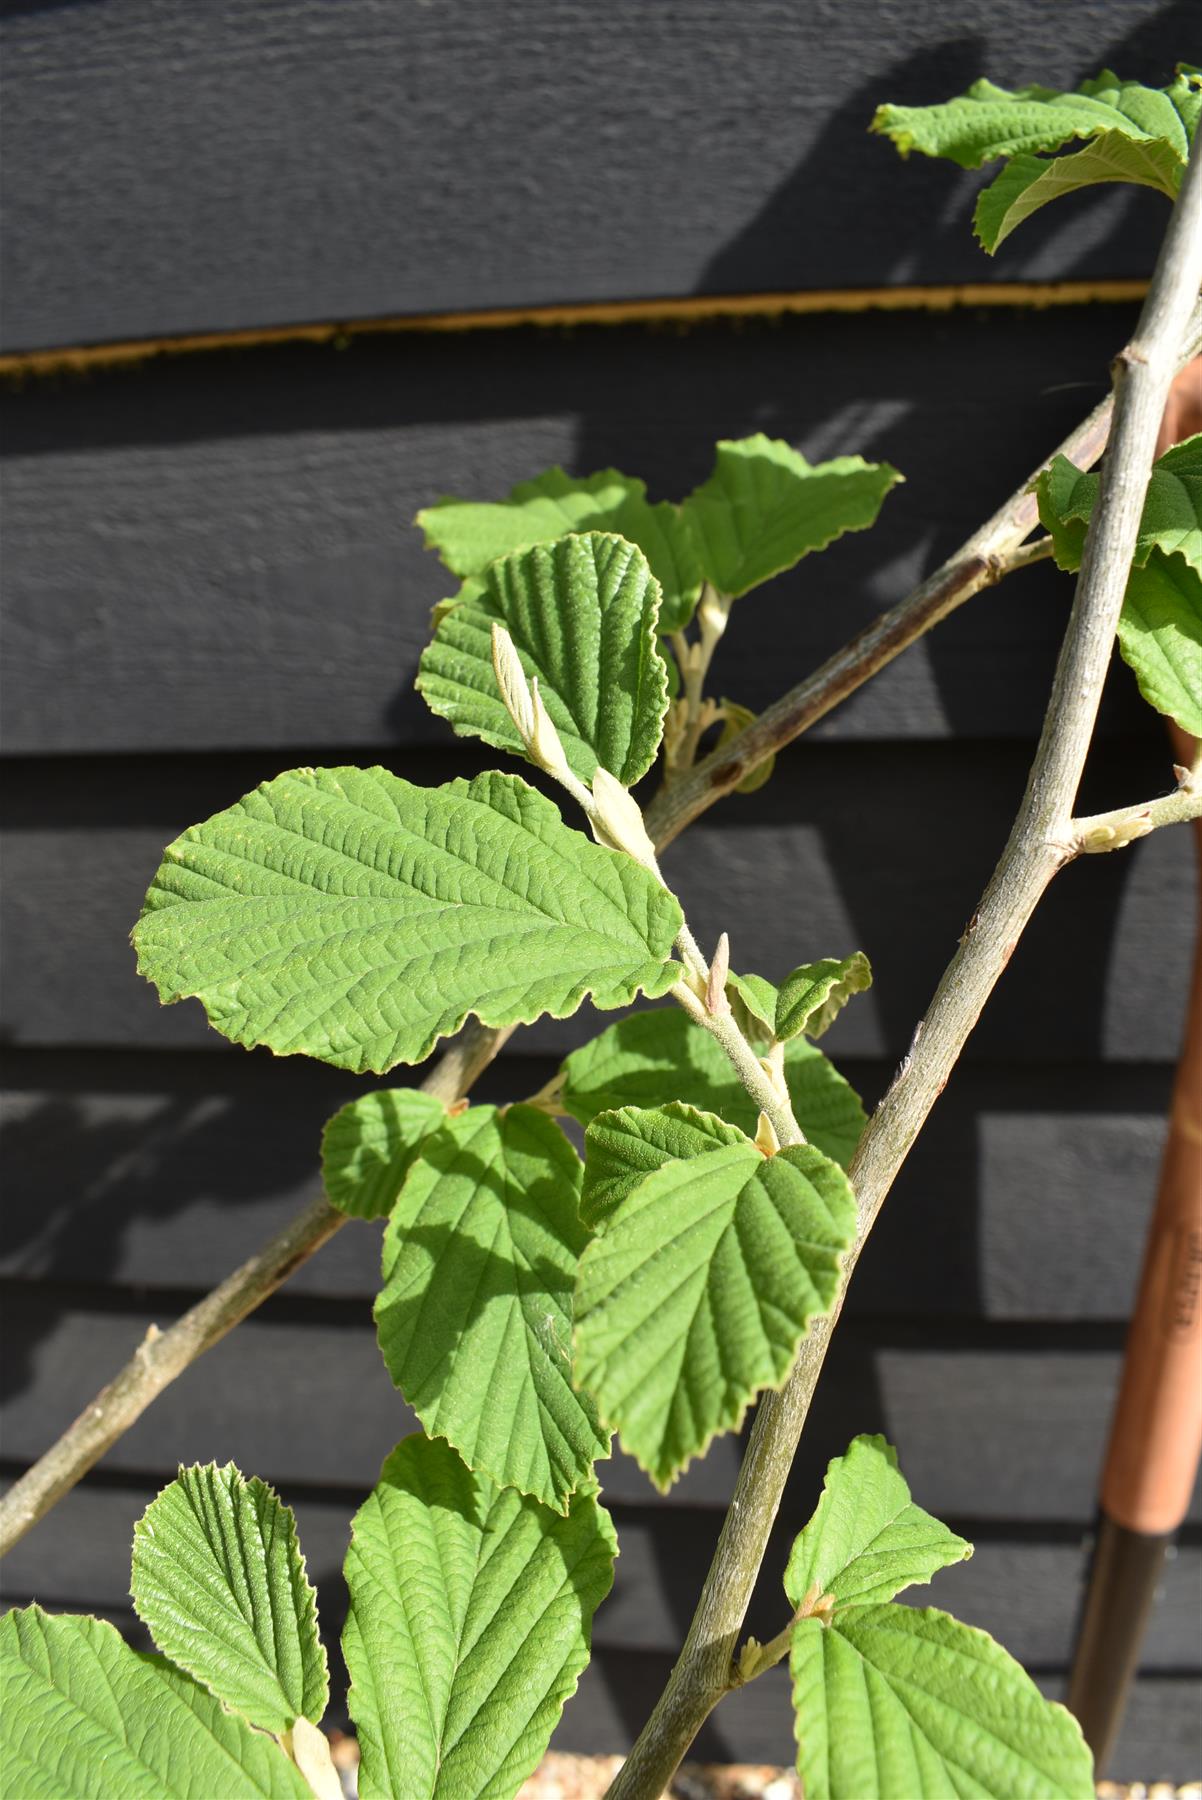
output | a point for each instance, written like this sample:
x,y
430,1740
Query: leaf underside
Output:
x,y
814,995
84,1717
1133,134
475,1312
219,1579
905,1704
582,613
349,915
653,1057
701,1286
470,1615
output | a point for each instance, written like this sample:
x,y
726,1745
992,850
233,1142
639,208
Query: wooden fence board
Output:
x,y
1002,1431
253,166
217,550
888,854
169,1175
1025,1593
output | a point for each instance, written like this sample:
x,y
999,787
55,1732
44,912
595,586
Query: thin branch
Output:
x,y
1115,830
980,562
983,560
747,1065
1041,843
162,1355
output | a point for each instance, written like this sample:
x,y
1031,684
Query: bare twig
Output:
x,y
162,1355
988,555
1042,842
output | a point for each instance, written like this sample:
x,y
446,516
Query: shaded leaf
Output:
x,y
736,719
912,1705
765,507
1028,183
475,1314
1172,514
470,1615
219,1579
814,995
368,1148
84,1717
471,534
582,614
753,1002
867,1539
352,916
701,1286
1160,637
654,1057
620,1148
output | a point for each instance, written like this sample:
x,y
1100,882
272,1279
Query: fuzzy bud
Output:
x,y
620,817
511,679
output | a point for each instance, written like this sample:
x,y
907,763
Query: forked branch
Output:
x,y
1042,841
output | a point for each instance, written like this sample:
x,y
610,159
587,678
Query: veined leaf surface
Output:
x,y
471,534
1135,134
814,995
1171,520
912,1705
622,1147
652,1057
867,1539
368,1147
765,507
1160,637
470,1618
84,1717
701,1286
582,613
219,1578
351,916
475,1314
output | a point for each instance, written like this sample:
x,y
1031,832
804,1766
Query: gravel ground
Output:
x,y
587,1777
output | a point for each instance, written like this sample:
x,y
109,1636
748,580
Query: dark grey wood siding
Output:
x,y
210,574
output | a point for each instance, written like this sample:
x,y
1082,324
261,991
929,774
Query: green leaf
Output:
x,y
219,1579
753,1002
84,1717
351,916
765,507
471,534
582,614
1172,515
620,1148
867,1540
653,1057
912,1705
701,1286
814,995
470,1614
1030,182
369,1146
1160,637
475,1314
735,719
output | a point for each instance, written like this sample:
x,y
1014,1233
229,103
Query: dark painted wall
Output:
x,y
210,574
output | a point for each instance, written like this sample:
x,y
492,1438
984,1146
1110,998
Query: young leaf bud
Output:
x,y
544,745
716,1003
619,816
511,679
766,1139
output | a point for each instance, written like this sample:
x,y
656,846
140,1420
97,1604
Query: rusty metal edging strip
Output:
x,y
690,309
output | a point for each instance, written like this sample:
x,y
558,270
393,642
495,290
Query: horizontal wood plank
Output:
x,y
1025,1593
994,1432
886,853
292,161
171,1171
217,550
